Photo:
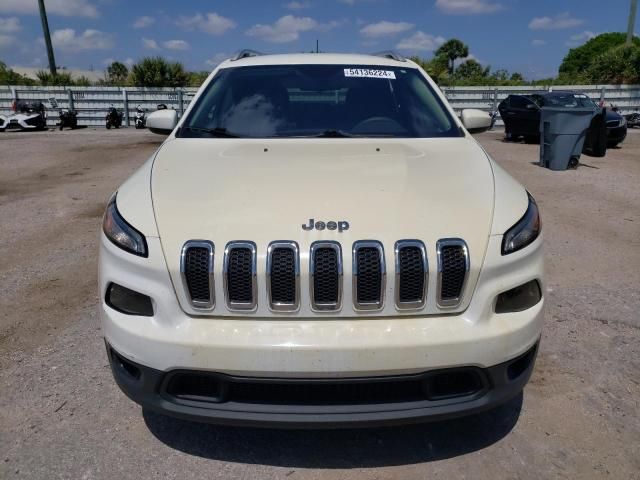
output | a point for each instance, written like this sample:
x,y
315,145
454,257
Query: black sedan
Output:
x,y
521,114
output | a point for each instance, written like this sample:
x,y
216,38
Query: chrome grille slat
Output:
x,y
325,276
196,269
239,274
453,271
368,274
412,274
283,276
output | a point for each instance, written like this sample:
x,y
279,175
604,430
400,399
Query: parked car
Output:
x,y
320,242
29,115
521,114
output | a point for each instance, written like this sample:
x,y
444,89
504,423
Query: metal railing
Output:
x,y
92,103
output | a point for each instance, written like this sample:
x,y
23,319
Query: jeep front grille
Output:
x,y
368,275
239,273
411,274
283,276
196,268
453,270
325,276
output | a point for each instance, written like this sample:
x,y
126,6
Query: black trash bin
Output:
x,y
562,135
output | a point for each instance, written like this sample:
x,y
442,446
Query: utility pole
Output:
x,y
47,37
632,22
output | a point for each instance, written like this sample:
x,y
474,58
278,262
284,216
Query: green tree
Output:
x,y
157,72
452,50
60,79
472,71
197,78
117,73
516,77
437,67
617,65
579,59
9,77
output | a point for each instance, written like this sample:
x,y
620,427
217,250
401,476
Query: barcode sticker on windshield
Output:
x,y
368,73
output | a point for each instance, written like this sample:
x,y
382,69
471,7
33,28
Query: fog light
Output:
x,y
127,301
519,298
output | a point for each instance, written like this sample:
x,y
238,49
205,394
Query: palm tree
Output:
x,y
451,50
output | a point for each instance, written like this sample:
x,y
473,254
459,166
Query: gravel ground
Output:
x,y
62,416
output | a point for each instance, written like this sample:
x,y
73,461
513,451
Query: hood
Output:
x,y
264,190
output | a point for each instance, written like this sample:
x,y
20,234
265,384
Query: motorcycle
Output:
x,y
66,117
633,119
141,120
114,118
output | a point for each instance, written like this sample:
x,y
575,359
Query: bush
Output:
x,y
59,79
157,72
617,65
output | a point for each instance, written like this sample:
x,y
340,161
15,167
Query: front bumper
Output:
x,y
616,135
315,403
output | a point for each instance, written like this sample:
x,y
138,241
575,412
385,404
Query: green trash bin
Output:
x,y
562,134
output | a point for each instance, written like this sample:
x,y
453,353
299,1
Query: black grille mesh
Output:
x,y
453,271
326,276
240,275
369,279
411,286
283,275
196,270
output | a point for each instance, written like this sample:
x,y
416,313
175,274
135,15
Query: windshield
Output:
x,y
319,101
570,100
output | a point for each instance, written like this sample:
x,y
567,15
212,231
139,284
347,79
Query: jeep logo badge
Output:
x,y
341,225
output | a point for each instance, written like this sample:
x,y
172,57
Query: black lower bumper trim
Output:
x,y
354,402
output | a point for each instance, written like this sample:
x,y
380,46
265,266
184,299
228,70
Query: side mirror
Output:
x,y
162,122
475,121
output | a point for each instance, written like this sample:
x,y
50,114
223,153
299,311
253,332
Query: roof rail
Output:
x,y
391,55
245,53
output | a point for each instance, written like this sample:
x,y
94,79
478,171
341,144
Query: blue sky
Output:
x,y
530,36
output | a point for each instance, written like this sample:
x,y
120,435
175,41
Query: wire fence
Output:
x,y
92,103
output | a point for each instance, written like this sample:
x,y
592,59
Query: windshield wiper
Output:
x,y
214,132
333,133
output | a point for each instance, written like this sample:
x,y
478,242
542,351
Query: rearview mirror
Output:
x,y
475,121
162,122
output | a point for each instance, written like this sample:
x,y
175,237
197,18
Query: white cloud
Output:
x,y
90,39
420,41
538,43
129,62
216,59
65,8
467,7
143,22
176,45
150,44
297,5
285,29
385,28
580,38
211,23
6,41
10,25
560,21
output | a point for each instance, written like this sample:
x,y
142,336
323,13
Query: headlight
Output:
x,y
525,231
121,233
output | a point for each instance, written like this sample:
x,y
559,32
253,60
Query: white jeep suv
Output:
x,y
320,242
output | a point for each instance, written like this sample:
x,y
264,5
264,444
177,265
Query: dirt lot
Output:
x,y
62,416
